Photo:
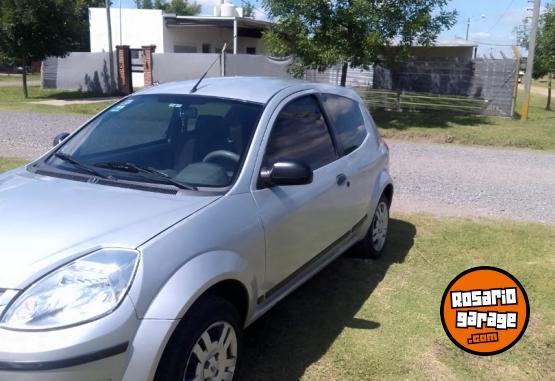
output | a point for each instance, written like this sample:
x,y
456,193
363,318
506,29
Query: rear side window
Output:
x,y
346,120
300,134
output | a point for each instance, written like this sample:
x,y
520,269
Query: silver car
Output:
x,y
141,245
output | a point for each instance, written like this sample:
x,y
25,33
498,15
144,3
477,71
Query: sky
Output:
x,y
491,21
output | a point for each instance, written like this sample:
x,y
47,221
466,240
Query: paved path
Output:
x,y
440,179
18,83
538,90
67,102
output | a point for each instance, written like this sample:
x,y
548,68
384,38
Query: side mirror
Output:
x,y
286,173
60,138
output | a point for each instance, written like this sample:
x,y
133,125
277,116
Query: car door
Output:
x,y
358,143
301,221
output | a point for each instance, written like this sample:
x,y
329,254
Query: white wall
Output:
x,y
169,67
147,27
245,42
196,36
80,71
139,27
255,65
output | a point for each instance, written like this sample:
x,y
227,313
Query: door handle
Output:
x,y
342,179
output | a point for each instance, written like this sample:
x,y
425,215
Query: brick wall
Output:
x,y
125,85
148,62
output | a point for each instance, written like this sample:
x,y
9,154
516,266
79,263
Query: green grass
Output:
x,y
364,320
451,127
12,99
7,163
379,320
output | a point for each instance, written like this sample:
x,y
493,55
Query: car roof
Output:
x,y
250,89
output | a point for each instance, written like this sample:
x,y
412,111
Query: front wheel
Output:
x,y
374,242
206,346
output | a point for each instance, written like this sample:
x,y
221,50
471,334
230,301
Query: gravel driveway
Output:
x,y
447,180
28,135
472,181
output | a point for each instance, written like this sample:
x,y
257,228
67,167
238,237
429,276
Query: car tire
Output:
x,y
375,241
194,349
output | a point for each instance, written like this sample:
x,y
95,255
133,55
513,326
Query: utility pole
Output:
x,y
120,28
530,60
467,27
110,48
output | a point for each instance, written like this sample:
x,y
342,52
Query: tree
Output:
x,y
321,33
33,30
144,4
179,7
248,8
544,62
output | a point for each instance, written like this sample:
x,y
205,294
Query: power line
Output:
x,y
489,43
502,15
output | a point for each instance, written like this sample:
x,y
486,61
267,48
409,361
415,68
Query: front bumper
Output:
x,y
97,351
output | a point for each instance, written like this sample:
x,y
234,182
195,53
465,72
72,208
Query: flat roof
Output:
x,y
242,22
455,44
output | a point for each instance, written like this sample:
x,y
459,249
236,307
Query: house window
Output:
x,y
184,49
206,48
251,50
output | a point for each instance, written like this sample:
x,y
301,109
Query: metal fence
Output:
x,y
484,86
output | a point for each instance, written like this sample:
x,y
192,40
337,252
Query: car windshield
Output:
x,y
187,140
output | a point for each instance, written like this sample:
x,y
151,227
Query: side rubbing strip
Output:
x,y
64,363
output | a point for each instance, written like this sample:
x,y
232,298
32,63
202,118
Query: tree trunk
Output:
x,y
548,106
24,78
344,74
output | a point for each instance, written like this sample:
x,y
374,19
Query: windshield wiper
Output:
x,y
80,165
135,168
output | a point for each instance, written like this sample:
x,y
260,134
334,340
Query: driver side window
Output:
x,y
300,134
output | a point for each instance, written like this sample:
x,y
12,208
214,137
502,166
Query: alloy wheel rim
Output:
x,y
214,355
379,226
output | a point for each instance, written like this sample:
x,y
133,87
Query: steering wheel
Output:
x,y
223,157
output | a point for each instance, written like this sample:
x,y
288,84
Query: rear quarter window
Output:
x,y
346,121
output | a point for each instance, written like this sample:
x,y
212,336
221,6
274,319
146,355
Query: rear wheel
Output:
x,y
206,346
374,242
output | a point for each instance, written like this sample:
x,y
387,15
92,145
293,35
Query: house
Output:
x,y
177,34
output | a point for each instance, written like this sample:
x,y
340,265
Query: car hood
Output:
x,y
46,222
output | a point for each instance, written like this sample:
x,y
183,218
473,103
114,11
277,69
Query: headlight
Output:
x,y
81,291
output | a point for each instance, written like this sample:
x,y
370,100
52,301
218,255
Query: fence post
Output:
x,y
124,69
398,99
147,63
517,76
222,63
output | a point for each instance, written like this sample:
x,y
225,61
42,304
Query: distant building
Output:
x,y
177,34
455,48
